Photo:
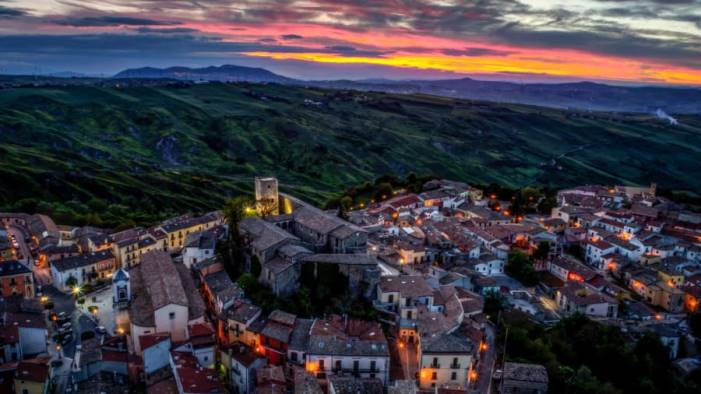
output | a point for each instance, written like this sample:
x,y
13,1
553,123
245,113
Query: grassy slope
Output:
x,y
83,141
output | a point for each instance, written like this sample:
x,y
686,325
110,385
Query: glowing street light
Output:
x,y
76,290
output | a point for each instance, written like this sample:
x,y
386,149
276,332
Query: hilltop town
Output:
x,y
404,293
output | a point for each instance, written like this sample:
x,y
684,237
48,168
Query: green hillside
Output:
x,y
186,147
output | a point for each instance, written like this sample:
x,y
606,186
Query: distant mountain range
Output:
x,y
225,73
581,95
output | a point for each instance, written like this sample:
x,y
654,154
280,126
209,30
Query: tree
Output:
x,y
256,268
521,268
71,282
542,250
235,210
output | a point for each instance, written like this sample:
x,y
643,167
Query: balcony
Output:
x,y
435,365
454,365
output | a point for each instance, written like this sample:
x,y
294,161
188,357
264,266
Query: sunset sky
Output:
x,y
620,41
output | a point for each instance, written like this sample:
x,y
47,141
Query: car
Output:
x,y
101,329
65,325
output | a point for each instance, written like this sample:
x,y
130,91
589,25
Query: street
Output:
x,y
486,365
24,251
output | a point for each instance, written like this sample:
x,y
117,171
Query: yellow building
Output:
x,y
33,376
177,230
129,251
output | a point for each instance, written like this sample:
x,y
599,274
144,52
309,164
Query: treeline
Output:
x,y
95,212
586,357
383,188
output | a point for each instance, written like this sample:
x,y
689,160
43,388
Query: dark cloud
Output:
x,y
174,30
476,52
110,20
291,37
6,12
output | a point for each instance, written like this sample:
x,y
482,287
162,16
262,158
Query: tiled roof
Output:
x,y
525,372
82,260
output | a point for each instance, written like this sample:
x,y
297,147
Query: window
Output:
x,y
453,375
321,364
293,356
390,299
356,365
373,365
338,365
434,375
171,315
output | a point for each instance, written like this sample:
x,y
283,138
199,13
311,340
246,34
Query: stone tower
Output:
x,y
267,198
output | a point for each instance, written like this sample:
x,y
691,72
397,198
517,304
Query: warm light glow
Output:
x,y
120,330
575,277
483,347
44,299
493,196
612,266
312,367
658,317
76,290
473,375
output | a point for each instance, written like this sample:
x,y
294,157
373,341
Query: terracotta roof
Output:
x,y
148,340
406,285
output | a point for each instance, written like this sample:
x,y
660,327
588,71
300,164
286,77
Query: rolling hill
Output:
x,y
182,146
588,96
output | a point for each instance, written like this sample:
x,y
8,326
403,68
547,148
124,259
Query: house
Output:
x,y
265,238
342,346
239,317
271,380
445,360
198,247
669,336
402,294
155,350
353,385
520,378
596,251
220,292
568,269
33,376
200,343
327,233
86,268
299,341
164,300
574,297
25,334
242,363
487,264
191,378
16,279
177,230
275,336
129,251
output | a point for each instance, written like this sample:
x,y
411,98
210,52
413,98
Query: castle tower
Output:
x,y
267,199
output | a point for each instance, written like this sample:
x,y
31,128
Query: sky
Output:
x,y
618,41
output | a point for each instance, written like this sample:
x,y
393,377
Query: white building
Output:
x,y
164,300
198,247
84,268
342,346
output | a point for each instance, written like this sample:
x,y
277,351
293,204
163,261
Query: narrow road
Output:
x,y
485,369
